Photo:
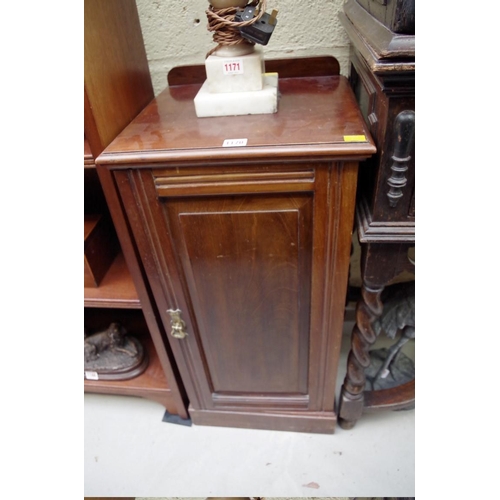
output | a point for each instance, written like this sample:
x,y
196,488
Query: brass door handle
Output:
x,y
177,323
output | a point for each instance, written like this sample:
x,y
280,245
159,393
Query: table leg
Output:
x,y
380,263
368,309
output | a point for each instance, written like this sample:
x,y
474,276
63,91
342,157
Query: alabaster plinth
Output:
x,y
236,82
235,74
259,102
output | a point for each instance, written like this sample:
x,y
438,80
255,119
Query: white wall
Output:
x,y
175,33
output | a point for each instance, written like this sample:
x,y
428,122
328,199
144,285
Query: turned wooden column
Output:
x,y
380,264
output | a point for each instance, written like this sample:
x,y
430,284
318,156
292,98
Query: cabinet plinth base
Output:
x,y
315,422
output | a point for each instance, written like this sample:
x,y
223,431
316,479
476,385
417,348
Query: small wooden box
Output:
x,y
101,247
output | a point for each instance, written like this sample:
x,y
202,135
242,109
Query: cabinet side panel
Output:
x,y
247,262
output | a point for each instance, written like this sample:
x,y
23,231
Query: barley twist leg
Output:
x,y
368,309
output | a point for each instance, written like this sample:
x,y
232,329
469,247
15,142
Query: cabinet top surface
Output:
x,y
316,117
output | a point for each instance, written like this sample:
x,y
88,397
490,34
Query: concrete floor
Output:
x,y
129,451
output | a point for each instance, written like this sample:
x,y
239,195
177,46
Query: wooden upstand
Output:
x,y
246,249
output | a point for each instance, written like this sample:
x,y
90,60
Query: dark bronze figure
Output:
x,y
391,367
112,354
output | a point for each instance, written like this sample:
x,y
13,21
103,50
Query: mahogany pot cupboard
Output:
x,y
243,252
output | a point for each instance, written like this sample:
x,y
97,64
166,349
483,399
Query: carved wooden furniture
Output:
x,y
246,249
383,78
117,87
398,16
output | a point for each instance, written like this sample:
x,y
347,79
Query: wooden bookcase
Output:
x,y
117,86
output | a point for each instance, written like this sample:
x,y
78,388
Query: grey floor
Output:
x,y
129,451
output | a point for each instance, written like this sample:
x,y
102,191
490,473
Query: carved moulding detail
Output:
x,y
404,135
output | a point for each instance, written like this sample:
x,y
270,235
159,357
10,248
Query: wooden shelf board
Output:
x,y
116,290
151,382
88,159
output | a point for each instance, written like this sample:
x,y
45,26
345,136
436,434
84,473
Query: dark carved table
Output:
x,y
383,78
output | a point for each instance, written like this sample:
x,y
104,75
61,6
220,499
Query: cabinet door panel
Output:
x,y
255,277
247,264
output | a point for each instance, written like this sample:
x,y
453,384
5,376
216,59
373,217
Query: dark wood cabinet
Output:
x,y
383,79
246,249
117,86
396,15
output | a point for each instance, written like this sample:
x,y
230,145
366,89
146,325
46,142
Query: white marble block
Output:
x,y
235,74
258,102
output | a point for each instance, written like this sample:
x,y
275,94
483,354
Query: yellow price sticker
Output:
x,y
354,138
